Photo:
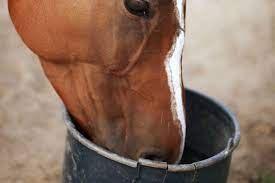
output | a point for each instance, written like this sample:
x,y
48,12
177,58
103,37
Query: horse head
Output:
x,y
117,67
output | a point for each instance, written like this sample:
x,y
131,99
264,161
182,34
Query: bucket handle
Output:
x,y
230,145
195,176
148,163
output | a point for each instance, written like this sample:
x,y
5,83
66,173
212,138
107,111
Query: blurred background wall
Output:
x,y
229,54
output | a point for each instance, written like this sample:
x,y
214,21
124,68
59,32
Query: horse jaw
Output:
x,y
173,66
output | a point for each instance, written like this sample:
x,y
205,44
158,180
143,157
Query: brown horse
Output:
x,y
116,64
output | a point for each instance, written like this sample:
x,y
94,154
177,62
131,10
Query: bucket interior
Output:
x,y
208,130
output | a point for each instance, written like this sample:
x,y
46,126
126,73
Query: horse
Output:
x,y
117,66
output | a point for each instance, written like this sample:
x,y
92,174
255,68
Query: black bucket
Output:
x,y
212,135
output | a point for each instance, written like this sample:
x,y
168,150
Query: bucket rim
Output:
x,y
226,152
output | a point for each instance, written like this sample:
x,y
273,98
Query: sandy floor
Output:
x,y
230,55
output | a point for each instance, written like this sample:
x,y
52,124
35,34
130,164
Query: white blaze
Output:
x,y
174,72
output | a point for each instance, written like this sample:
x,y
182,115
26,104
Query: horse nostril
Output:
x,y
153,157
156,156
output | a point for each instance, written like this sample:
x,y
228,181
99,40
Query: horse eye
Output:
x,y
138,7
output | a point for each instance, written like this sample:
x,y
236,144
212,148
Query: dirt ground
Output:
x,y
229,55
